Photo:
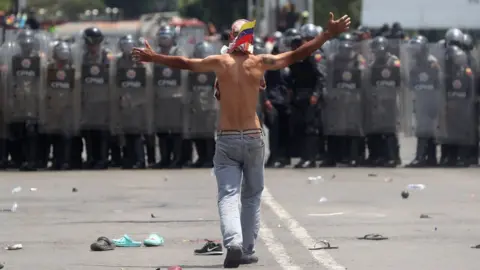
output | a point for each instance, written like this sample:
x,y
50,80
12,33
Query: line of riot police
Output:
x,y
88,105
349,102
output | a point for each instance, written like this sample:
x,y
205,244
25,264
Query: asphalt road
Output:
x,y
56,226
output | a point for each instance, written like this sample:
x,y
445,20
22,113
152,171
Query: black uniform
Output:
x,y
307,84
424,79
277,116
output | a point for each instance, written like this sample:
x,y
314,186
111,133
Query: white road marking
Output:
x,y
321,256
276,248
326,214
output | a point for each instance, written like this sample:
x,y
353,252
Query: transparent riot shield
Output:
x,y
26,60
344,98
382,95
457,107
169,87
94,66
201,108
422,91
132,97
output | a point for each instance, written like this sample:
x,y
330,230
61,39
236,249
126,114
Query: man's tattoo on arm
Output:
x,y
269,60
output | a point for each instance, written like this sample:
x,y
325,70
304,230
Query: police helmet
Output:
x,y
203,49
62,51
93,36
165,36
454,37
309,31
126,43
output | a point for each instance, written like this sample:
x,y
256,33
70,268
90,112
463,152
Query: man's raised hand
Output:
x,y
143,54
336,27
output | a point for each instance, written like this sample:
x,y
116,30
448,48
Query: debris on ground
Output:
x,y
152,215
322,200
424,216
416,187
405,194
373,236
372,175
322,244
33,189
16,190
74,190
14,247
388,179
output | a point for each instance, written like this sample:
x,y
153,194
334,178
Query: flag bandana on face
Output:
x,y
243,41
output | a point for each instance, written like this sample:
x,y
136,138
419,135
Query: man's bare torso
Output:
x,y
239,82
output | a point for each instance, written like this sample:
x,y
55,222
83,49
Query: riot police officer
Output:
x,y
24,115
468,46
307,84
201,110
131,88
309,32
95,106
460,135
381,107
345,141
175,152
60,122
278,110
424,84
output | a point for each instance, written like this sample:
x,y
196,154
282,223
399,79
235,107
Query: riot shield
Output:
x,y
62,113
24,81
169,92
95,80
457,107
201,107
132,97
382,88
344,98
423,87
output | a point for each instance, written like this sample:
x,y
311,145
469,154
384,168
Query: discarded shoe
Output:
x,y
210,248
153,240
102,244
126,241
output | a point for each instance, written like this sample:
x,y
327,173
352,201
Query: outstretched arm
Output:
x,y
335,27
208,64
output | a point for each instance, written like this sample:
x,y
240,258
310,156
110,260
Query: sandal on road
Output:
x,y
102,244
126,241
153,240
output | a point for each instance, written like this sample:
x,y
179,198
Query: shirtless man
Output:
x,y
240,149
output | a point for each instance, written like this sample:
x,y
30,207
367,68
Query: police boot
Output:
x,y
30,149
355,157
139,153
463,154
115,152
67,148
308,154
187,153
201,148
420,160
149,141
103,147
448,156
3,154
473,155
177,153
164,154
390,151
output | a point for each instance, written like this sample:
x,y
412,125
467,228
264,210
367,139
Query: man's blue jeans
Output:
x,y
239,169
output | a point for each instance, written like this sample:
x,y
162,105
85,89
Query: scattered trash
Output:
x,y
14,207
126,241
176,267
435,228
405,194
416,187
388,180
74,189
312,180
279,226
153,240
373,236
477,246
209,248
322,244
1,265
152,215
372,175
165,179
322,200
424,216
16,190
333,176
14,247
33,189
